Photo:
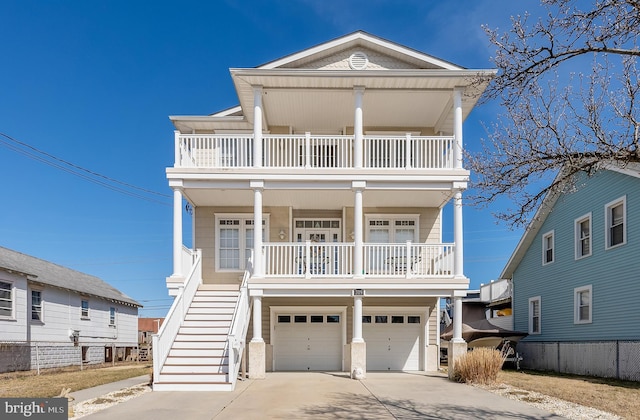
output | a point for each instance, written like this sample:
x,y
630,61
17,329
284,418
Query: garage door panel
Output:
x,y
302,346
392,346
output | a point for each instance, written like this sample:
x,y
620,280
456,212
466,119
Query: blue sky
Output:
x,y
93,83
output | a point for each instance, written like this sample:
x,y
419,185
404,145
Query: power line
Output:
x,y
74,169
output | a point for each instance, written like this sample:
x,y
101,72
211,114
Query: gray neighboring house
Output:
x,y
53,316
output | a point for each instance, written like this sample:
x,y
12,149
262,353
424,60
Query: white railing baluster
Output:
x,y
309,151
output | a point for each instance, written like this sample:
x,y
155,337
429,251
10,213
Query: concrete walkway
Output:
x,y
98,391
329,396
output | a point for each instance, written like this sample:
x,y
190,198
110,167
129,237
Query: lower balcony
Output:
x,y
313,260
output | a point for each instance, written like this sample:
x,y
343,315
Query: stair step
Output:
x,y
213,304
193,377
192,386
204,330
211,322
202,337
186,343
220,287
195,316
197,352
195,369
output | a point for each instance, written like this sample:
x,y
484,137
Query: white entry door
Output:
x,y
308,342
393,341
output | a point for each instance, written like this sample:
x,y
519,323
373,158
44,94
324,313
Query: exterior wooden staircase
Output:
x,y
199,357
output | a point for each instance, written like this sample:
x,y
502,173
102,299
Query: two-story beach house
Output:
x,y
344,155
575,278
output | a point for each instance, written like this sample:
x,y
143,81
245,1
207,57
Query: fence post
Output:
x,y
37,359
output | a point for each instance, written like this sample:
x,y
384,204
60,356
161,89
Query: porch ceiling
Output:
x,y
311,100
317,199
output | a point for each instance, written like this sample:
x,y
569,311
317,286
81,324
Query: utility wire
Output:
x,y
74,169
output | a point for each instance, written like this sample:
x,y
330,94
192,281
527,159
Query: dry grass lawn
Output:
x,y
50,382
617,397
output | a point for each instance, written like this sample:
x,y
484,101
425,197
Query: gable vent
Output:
x,y
358,60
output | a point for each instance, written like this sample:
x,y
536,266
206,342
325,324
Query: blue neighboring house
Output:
x,y
576,278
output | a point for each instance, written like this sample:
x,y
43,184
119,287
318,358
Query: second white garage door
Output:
x,y
393,341
308,342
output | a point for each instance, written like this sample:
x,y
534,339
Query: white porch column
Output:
x,y
257,126
458,255
357,319
457,320
358,131
457,126
257,346
358,187
258,266
257,319
177,233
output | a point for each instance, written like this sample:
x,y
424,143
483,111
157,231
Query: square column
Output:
x,y
257,347
358,348
457,346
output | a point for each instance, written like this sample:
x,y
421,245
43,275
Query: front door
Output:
x,y
320,258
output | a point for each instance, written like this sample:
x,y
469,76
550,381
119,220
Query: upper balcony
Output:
x,y
219,151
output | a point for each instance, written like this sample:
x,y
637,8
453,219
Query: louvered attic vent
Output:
x,y
358,60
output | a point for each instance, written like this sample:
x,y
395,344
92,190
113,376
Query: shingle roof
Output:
x,y
48,273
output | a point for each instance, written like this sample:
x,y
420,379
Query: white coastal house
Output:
x,y
53,316
345,154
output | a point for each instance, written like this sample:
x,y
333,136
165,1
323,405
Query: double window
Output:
x,y
582,301
534,315
6,299
548,248
616,221
235,241
583,236
398,229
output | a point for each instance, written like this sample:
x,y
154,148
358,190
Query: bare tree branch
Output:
x,y
569,86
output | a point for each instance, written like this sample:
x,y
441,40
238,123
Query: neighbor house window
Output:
x,y
6,299
84,309
235,241
583,236
534,315
36,305
112,316
582,297
615,219
547,248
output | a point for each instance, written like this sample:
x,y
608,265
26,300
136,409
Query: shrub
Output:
x,y
479,366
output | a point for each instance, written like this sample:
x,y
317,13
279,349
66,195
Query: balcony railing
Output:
x,y
324,260
307,151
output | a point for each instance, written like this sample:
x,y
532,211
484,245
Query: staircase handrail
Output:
x,y
239,326
163,340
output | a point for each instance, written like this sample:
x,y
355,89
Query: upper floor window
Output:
x,y
547,248
36,305
615,219
112,316
534,315
84,309
583,236
582,298
6,299
235,241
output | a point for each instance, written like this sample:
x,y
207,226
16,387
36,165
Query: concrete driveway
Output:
x,y
329,396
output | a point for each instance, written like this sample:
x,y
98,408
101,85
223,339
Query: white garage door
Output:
x,y
306,342
393,341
